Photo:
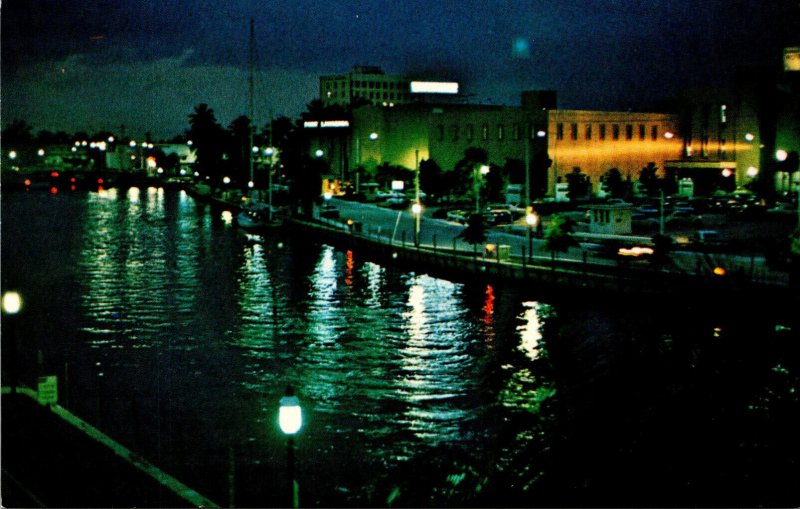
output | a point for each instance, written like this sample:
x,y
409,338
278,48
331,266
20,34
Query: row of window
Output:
x,y
454,132
379,96
602,131
367,85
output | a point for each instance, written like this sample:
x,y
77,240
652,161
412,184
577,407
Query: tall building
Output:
x,y
367,83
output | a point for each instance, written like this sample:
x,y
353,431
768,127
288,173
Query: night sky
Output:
x,y
94,65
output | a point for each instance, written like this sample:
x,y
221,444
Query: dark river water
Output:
x,y
176,334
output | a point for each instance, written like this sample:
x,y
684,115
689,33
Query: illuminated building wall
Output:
x,y
596,141
366,82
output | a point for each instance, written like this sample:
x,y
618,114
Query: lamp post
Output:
x,y
290,419
481,170
11,306
531,219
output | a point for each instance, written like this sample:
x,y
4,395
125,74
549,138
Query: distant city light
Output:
x,y
416,208
132,143
541,134
668,135
318,152
749,137
752,171
781,155
111,139
727,172
40,152
226,180
12,154
373,136
189,142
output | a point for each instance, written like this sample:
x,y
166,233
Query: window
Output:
x,y
642,132
574,131
654,133
500,131
454,132
588,131
628,132
485,132
723,113
440,130
615,131
470,132
602,131
515,131
559,131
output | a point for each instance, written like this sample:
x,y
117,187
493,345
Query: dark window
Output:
x,y
642,131
628,132
654,132
615,131
588,131
454,132
559,131
440,130
602,131
574,131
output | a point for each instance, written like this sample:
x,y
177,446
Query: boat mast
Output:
x,y
250,102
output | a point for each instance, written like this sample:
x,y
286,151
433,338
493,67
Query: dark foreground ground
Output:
x,y
48,463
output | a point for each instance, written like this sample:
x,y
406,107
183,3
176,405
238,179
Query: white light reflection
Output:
x,y
432,360
530,330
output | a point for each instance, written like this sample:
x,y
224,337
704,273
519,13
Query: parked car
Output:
x,y
458,216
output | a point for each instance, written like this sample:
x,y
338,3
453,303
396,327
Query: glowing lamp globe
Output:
x,y
12,302
290,416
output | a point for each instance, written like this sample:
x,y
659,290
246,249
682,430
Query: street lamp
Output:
x,y
481,170
11,306
531,219
416,209
290,419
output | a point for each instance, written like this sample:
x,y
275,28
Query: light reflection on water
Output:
x,y
197,329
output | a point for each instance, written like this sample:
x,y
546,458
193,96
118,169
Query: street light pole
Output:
x,y
290,419
417,208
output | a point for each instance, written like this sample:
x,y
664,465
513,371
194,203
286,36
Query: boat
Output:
x,y
258,216
255,214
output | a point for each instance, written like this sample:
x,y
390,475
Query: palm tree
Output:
x,y
207,135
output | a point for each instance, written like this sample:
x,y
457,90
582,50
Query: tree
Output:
x,y
463,181
431,179
615,184
558,236
17,134
496,183
649,179
475,231
578,184
206,135
540,166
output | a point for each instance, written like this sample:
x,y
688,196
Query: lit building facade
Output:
x,y
597,141
737,137
408,133
367,83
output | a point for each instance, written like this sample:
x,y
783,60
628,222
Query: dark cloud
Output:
x,y
595,53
